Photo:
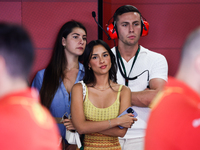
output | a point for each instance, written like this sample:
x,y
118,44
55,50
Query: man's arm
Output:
x,y
144,98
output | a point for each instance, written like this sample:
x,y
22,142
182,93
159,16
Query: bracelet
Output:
x,y
109,123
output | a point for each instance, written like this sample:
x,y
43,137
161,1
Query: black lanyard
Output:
x,y
124,74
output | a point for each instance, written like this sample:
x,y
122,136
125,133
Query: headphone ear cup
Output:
x,y
145,29
112,31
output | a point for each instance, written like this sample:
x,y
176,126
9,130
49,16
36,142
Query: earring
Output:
x,y
89,68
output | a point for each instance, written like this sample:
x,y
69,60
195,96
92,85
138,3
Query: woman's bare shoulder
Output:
x,y
77,86
124,88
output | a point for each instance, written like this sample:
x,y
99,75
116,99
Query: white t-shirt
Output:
x,y
153,65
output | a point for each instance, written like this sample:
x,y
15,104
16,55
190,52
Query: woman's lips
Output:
x,y
81,48
103,67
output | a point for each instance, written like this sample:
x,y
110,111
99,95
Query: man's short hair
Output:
x,y
17,50
124,9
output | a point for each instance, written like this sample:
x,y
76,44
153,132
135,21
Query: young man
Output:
x,y
24,124
143,71
174,122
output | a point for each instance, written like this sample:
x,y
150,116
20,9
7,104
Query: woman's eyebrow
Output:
x,y
75,33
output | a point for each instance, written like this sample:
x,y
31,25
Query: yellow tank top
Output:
x,y
97,141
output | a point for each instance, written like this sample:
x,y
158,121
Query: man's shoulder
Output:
x,y
151,54
143,49
26,101
29,116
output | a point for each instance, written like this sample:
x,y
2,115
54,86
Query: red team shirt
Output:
x,y
25,124
174,123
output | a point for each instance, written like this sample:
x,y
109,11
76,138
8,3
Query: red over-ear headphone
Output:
x,y
113,34
111,28
145,31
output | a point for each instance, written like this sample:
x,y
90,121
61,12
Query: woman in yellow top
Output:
x,y
96,114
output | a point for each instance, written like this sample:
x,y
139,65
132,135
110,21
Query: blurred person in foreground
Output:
x,y
25,124
174,122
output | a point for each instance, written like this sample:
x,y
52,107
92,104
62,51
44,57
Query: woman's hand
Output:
x,y
127,120
68,124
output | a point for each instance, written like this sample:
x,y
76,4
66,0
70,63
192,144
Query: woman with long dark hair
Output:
x,y
64,70
96,114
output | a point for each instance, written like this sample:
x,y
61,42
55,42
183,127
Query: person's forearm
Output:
x,y
116,131
98,126
143,98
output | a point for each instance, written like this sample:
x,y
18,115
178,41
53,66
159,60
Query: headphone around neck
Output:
x,y
112,28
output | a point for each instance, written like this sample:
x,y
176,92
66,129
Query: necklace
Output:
x,y
68,69
102,89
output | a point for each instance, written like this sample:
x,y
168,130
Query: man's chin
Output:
x,y
132,43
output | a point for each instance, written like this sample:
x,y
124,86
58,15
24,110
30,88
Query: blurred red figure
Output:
x,y
174,122
25,124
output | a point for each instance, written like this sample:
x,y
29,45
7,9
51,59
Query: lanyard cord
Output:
x,y
124,74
